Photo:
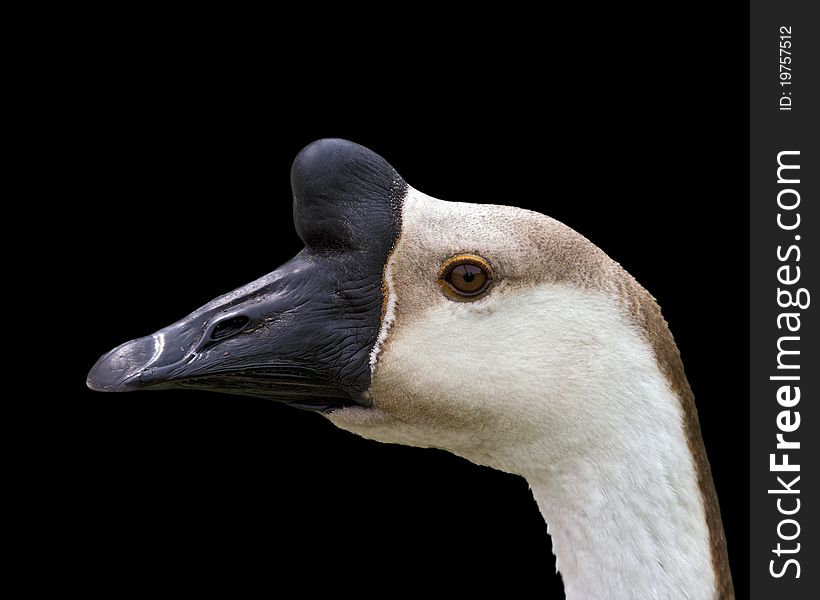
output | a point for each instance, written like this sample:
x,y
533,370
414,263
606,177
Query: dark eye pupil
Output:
x,y
468,279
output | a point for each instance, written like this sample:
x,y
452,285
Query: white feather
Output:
x,y
551,381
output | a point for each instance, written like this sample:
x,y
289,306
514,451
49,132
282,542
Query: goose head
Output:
x,y
493,332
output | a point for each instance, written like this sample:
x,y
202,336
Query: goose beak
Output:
x,y
303,333
284,337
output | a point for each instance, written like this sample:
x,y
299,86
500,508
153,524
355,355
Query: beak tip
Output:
x,y
95,387
102,378
117,370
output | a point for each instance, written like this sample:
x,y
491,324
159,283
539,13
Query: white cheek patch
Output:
x,y
387,318
571,394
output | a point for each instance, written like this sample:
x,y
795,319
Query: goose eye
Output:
x,y
468,279
466,276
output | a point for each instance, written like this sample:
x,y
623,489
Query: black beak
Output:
x,y
271,338
303,333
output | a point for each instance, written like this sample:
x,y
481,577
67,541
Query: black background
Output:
x,y
179,145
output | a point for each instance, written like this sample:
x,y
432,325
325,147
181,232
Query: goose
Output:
x,y
493,332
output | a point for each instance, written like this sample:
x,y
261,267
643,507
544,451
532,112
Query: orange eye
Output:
x,y
466,276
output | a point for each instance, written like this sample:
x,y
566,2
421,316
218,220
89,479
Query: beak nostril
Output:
x,y
228,327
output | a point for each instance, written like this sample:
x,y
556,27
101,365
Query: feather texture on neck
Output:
x,y
566,374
